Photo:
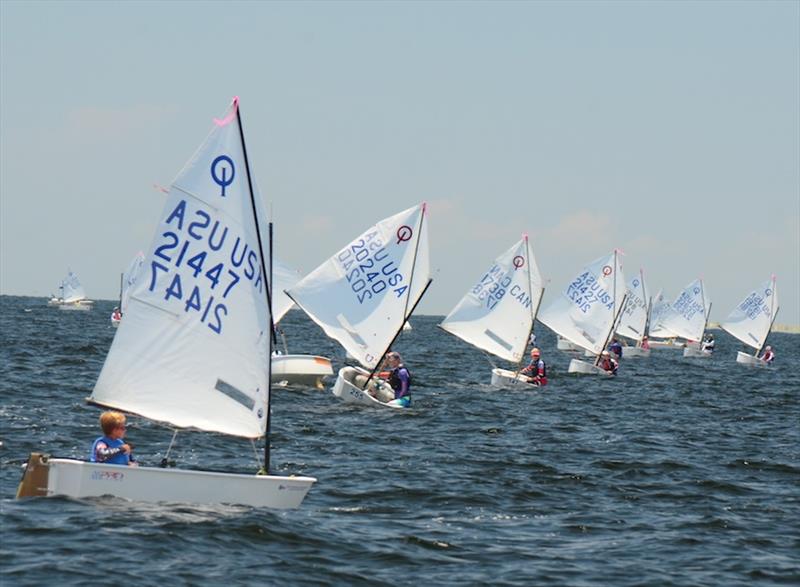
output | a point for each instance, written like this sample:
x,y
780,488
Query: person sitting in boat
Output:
x,y
116,315
645,342
615,347
707,346
608,363
399,380
769,355
110,448
536,371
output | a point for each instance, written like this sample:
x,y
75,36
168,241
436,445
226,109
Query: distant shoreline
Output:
x,y
785,328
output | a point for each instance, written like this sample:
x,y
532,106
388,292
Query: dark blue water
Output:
x,y
678,472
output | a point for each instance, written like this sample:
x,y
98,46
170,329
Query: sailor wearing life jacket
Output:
x,y
769,355
536,369
608,363
399,380
111,449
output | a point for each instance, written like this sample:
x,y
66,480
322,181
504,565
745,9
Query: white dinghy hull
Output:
x,y
349,392
691,352
45,476
301,370
634,351
82,305
749,360
506,378
584,368
666,344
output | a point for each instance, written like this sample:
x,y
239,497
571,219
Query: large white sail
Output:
x,y
752,319
496,315
194,347
129,278
633,320
362,294
585,311
283,278
73,290
687,315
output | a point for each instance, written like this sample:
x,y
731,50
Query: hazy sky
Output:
x,y
668,129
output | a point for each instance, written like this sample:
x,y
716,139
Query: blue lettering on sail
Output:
x,y
493,286
196,269
223,172
755,305
585,291
369,268
686,306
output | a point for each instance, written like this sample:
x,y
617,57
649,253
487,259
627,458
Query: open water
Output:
x,y
677,472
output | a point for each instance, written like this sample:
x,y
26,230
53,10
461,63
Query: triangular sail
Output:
x,y
586,310
194,347
361,295
752,319
73,290
633,320
688,314
658,309
129,278
496,315
283,278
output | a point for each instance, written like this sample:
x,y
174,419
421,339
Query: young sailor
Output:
x,y
768,356
536,369
616,348
608,363
110,448
707,346
399,380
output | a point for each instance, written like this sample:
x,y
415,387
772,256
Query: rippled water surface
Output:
x,y
677,472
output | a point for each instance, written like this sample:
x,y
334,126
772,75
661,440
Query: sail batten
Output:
x,y
197,313
496,315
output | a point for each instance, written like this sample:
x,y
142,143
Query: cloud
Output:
x,y
99,125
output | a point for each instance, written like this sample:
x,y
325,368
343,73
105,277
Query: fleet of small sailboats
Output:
x,y
497,314
198,346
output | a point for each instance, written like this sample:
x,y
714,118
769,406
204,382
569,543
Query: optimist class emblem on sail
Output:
x,y
519,261
200,263
370,268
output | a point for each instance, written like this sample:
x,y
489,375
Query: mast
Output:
x,y
406,313
121,278
618,312
267,280
774,315
535,310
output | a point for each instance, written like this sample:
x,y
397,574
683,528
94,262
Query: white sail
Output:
x,y
633,319
73,290
194,347
283,278
687,315
496,315
752,319
361,296
585,311
129,278
658,309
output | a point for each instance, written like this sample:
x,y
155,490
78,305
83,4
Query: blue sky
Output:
x,y
670,130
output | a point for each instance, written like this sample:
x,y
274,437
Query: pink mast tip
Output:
x,y
231,114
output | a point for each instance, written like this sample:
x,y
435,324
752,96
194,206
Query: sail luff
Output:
x,y
267,285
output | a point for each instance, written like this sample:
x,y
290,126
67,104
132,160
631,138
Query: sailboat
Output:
x,y
687,318
658,336
194,348
289,369
587,311
73,296
633,321
497,314
126,282
362,296
751,321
